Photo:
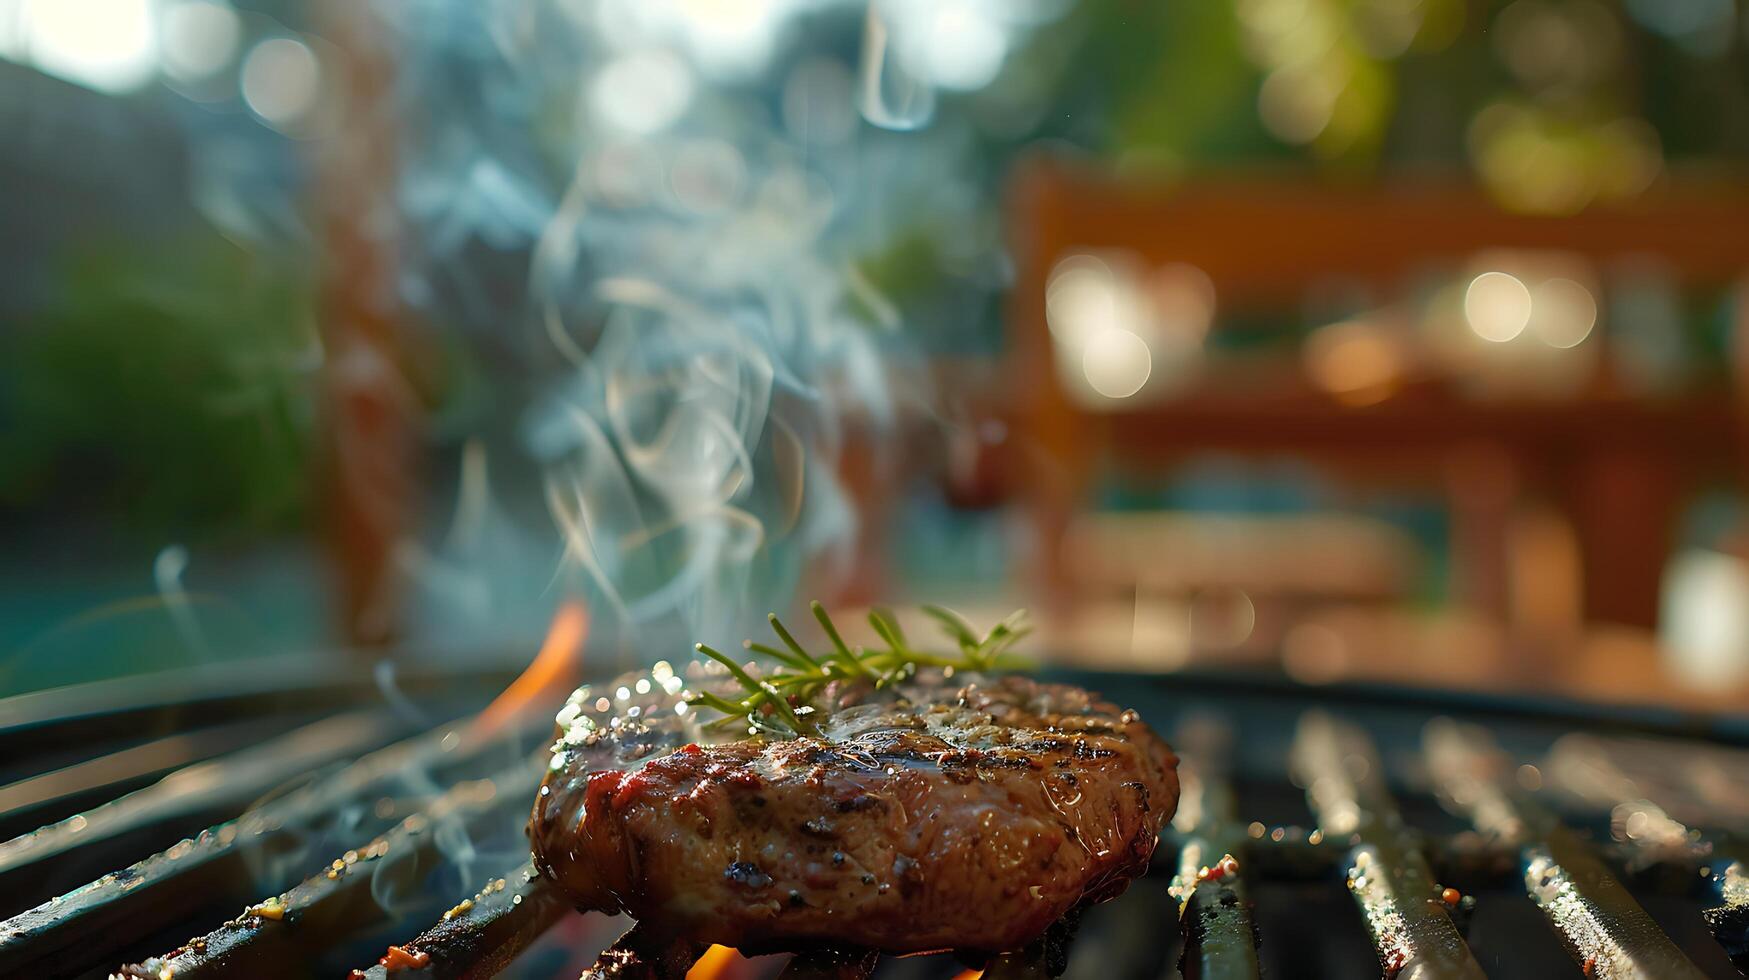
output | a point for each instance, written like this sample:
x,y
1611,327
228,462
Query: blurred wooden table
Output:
x,y
1618,468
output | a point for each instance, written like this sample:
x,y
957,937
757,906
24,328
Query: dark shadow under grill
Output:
x,y
1370,832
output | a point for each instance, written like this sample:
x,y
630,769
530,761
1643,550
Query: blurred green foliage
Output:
x,y
167,389
1177,80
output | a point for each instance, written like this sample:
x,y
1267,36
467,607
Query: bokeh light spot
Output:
x,y
199,39
1359,362
1563,313
965,49
1116,362
1081,296
1497,306
281,80
107,45
1297,103
643,92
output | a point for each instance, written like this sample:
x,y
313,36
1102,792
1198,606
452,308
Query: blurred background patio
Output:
x,y
1353,340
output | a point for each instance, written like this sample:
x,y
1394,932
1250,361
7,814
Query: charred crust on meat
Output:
x,y
924,826
747,875
904,757
910,876
744,810
1085,749
951,760
1141,791
832,758
858,803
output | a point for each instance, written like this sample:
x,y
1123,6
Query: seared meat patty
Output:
x,y
945,816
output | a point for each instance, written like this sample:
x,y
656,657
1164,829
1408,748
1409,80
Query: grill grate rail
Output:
x,y
1220,937
1406,912
1580,864
1603,927
1414,922
126,904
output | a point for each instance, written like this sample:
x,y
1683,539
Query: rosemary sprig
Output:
x,y
776,702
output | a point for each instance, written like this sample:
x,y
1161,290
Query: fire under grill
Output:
x,y
296,827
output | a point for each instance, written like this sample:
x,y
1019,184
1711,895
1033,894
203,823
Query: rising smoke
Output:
x,y
643,219
697,343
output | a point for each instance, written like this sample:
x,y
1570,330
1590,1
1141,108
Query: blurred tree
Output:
x,y
165,390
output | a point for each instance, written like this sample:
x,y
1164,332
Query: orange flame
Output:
x,y
551,669
714,964
969,975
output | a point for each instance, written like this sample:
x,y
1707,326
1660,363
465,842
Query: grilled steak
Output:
x,y
966,817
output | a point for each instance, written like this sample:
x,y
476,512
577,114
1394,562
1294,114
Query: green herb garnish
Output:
x,y
776,702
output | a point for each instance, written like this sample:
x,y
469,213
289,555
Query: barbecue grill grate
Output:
x,y
1371,834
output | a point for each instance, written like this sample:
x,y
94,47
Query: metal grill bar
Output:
x,y
1586,769
132,903
1605,930
275,936
19,799
483,934
1698,783
241,775
1387,875
642,955
1220,939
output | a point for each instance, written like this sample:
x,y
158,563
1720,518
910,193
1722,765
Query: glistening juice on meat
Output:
x,y
935,815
